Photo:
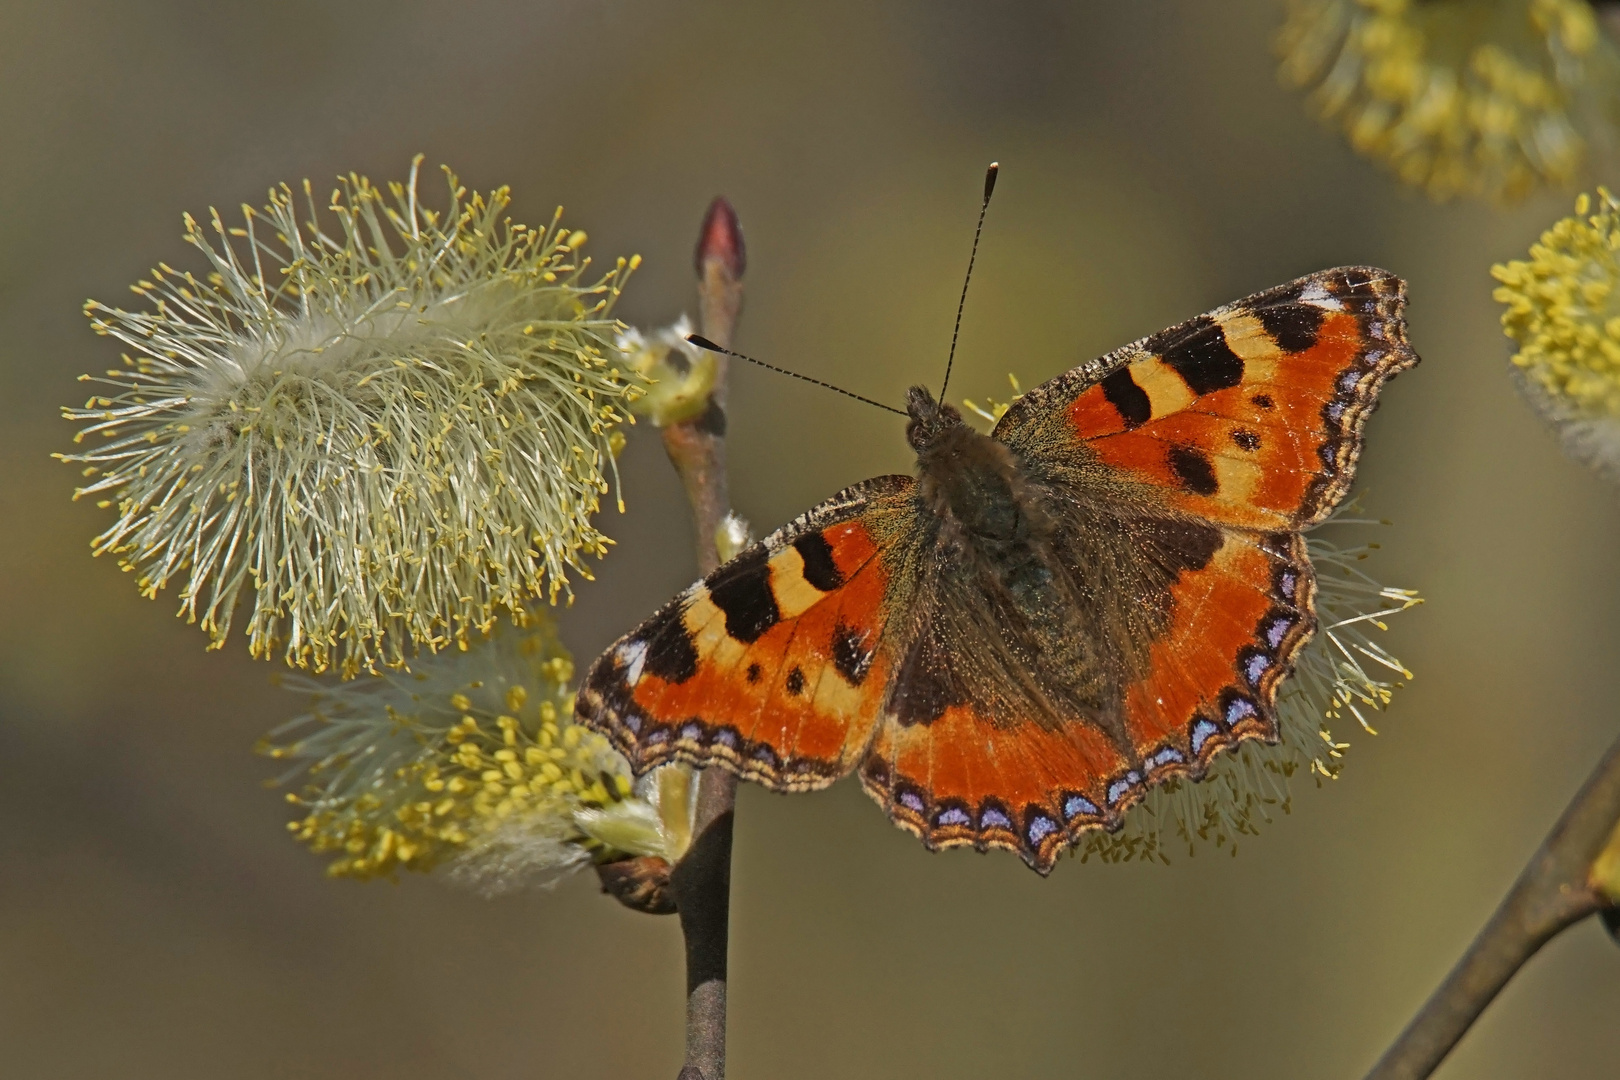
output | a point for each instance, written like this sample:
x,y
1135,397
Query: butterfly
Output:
x,y
1012,647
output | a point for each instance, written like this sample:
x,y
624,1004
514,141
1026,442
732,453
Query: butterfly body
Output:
x,y
1011,648
1007,615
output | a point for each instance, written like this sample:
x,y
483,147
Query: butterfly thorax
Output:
x,y
976,490
964,478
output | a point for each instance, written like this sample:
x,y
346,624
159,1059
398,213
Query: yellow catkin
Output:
x,y
368,448
466,731
1562,310
1456,97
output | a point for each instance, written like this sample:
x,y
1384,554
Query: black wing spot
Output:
x,y
1246,440
1203,359
743,592
850,657
1128,399
819,568
670,653
1294,327
1193,468
1263,401
795,681
753,673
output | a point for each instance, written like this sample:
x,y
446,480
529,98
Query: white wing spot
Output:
x,y
1317,296
633,654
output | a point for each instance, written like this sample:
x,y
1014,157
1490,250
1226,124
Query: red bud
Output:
x,y
721,238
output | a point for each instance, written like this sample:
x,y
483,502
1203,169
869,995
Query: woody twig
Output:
x,y
1574,874
701,881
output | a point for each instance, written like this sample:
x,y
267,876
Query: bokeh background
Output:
x,y
155,919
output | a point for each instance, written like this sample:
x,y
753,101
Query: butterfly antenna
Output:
x,y
704,343
989,186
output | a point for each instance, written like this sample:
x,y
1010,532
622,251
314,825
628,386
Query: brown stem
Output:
x,y
701,881
1555,891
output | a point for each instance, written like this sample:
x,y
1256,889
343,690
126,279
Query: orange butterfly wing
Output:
x,y
967,778
1249,416
771,665
1247,421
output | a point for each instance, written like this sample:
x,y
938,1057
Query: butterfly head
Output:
x,y
930,419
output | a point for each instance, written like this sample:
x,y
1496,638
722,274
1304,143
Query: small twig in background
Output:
x,y
701,881
1575,873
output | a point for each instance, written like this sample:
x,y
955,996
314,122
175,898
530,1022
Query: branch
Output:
x,y
701,881
1575,873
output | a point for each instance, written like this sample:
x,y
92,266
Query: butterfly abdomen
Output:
x,y
1007,598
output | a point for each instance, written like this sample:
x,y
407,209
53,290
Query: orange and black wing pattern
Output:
x,y
1236,608
1244,426
1249,416
1142,625
770,666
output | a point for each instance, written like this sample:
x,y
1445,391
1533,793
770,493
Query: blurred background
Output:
x,y
156,920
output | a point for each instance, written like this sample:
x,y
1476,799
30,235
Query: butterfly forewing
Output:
x,y
1250,415
771,665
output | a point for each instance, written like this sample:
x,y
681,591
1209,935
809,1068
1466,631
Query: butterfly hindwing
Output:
x,y
972,774
967,780
1211,678
771,665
